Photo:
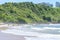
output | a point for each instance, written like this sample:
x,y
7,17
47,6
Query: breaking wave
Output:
x,y
40,32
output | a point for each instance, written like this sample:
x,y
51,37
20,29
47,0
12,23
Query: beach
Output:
x,y
5,36
30,32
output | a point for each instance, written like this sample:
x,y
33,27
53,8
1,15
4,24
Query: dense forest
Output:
x,y
28,12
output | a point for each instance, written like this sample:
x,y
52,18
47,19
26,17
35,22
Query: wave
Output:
x,y
44,33
51,28
36,35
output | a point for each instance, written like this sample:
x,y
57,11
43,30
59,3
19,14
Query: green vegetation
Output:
x,y
28,12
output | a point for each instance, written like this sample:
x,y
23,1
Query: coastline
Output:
x,y
14,32
7,25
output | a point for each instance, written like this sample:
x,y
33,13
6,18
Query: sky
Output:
x,y
34,1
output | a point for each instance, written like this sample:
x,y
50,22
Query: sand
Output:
x,y
5,36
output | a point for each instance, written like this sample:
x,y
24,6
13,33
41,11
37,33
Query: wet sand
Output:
x,y
5,36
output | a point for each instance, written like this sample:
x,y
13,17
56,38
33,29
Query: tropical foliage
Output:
x,y
28,12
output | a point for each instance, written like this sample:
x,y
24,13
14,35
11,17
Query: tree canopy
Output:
x,y
28,12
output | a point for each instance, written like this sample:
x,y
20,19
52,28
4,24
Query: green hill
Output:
x,y
28,12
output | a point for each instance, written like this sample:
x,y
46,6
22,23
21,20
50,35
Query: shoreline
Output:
x,y
15,24
16,34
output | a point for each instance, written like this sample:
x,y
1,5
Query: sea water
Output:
x,y
36,31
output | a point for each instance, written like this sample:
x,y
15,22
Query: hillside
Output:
x,y
28,12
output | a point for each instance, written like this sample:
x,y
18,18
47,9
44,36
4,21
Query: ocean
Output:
x,y
36,31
